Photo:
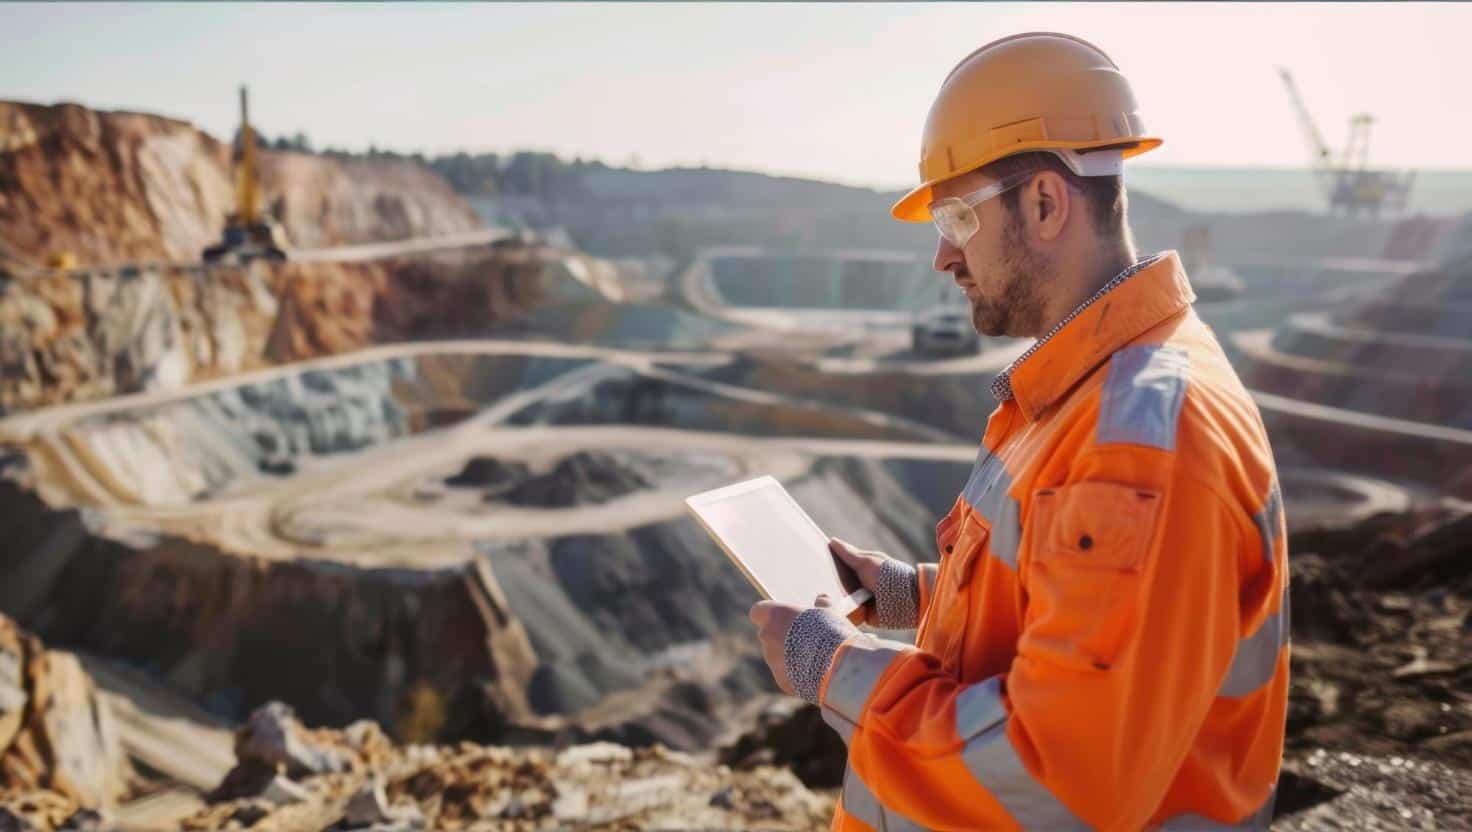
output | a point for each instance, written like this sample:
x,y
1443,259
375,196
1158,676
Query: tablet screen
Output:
x,y
775,542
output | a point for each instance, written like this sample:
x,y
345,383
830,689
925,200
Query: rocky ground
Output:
x,y
292,778
289,777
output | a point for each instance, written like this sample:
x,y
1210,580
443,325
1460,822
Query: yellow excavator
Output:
x,y
249,232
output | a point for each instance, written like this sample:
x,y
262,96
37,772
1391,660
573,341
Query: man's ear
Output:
x,y
1051,204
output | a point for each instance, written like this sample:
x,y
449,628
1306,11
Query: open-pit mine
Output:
x,y
390,534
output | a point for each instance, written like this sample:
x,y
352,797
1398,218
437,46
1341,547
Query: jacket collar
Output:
x,y
1131,304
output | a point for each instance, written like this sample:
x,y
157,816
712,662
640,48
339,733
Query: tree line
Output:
x,y
523,173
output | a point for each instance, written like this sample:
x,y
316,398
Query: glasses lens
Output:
x,y
954,220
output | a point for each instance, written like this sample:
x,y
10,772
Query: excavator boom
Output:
x,y
247,191
249,232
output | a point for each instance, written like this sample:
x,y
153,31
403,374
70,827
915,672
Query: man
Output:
x,y
1103,643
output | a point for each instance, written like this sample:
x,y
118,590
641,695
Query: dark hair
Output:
x,y
1104,194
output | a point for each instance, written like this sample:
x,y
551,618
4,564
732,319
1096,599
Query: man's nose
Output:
x,y
946,255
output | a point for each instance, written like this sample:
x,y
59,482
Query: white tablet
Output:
x,y
776,545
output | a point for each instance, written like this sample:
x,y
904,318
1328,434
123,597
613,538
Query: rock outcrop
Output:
x,y
59,747
66,337
290,777
116,187
330,308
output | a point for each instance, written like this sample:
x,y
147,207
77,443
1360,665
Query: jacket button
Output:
x,y
1086,543
949,548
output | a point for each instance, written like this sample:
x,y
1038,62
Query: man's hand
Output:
x,y
773,619
865,564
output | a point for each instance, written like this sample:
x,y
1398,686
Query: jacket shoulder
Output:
x,y
1178,406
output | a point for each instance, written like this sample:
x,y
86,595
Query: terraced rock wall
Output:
x,y
95,334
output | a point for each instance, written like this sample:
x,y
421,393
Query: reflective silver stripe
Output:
x,y
1268,521
1141,400
986,491
1256,661
994,763
979,707
856,671
860,802
1197,823
928,574
838,722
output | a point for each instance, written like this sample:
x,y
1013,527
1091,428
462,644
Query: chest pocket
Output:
x,y
961,538
1088,543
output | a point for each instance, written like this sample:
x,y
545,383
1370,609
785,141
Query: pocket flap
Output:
x,y
1094,525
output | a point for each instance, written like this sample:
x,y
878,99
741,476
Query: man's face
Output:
x,y
1002,274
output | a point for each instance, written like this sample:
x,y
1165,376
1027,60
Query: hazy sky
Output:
x,y
833,91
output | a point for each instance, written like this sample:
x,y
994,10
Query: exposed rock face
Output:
x,y
117,187
109,187
69,337
235,631
375,784
59,747
330,308
73,337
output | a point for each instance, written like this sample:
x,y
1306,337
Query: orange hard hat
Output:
x,y
1034,91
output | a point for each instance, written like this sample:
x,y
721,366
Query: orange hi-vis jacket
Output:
x,y
1104,643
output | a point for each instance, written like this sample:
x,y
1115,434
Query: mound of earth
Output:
x,y
487,472
584,477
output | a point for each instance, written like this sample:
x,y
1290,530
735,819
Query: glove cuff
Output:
x,y
897,596
812,639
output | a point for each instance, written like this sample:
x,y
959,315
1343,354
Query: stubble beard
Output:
x,y
1018,312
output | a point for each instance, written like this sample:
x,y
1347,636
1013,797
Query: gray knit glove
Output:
x,y
812,639
897,596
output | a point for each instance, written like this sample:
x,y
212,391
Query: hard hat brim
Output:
x,y
915,205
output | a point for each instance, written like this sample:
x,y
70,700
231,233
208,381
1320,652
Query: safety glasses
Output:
x,y
955,216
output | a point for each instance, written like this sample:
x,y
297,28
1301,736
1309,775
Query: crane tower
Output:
x,y
1349,184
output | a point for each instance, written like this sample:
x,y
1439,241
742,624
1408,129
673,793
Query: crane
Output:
x,y
1350,185
249,232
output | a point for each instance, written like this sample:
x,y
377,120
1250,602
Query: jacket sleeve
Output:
x,y
926,574
1124,645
